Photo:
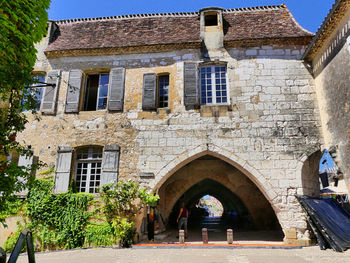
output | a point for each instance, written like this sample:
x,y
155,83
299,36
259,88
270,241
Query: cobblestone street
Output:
x,y
307,254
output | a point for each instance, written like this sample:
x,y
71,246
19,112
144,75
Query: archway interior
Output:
x,y
245,208
235,215
320,174
211,205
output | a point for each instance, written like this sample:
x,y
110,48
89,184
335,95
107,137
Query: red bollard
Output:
x,y
205,235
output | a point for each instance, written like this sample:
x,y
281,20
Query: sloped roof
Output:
x,y
329,24
173,28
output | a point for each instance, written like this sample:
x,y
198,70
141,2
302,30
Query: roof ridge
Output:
x,y
65,21
255,8
184,14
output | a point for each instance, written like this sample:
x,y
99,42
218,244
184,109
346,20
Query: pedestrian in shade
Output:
x,y
182,218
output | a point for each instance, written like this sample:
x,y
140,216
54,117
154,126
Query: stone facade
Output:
x,y
329,57
263,135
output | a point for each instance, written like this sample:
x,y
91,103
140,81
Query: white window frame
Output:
x,y
89,160
213,85
86,90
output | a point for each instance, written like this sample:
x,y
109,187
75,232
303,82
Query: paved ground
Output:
x,y
102,255
220,236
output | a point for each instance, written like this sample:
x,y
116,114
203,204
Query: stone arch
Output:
x,y
308,168
211,149
229,200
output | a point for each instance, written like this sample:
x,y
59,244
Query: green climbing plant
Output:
x,y
121,203
57,220
71,220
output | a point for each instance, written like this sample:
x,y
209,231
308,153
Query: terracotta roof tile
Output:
x,y
269,23
173,28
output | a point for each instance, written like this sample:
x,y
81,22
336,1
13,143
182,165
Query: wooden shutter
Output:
x,y
110,164
26,161
50,93
149,91
63,169
116,89
191,87
73,90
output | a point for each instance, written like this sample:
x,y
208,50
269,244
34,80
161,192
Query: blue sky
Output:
x,y
329,161
309,13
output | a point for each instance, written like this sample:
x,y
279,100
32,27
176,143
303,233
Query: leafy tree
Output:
x,y
121,203
125,200
23,23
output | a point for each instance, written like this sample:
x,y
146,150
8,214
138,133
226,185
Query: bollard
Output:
x,y
229,236
205,235
181,236
2,255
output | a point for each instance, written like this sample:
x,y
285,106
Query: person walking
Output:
x,y
182,218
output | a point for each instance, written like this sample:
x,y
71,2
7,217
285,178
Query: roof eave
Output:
x,y
120,50
321,29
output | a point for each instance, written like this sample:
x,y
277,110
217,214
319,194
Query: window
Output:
x,y
88,169
38,92
213,85
96,92
211,19
163,91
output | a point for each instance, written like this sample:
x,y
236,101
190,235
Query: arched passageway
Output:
x,y
245,207
235,214
320,174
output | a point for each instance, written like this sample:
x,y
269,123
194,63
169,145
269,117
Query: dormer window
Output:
x,y
211,25
211,19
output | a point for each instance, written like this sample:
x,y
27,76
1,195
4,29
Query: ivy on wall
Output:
x,y
71,220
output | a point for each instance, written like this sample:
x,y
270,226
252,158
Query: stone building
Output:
x,y
328,56
212,102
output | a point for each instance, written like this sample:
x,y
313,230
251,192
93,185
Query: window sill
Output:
x,y
214,110
163,111
93,110
89,113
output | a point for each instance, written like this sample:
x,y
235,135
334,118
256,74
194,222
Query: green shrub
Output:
x,y
62,221
12,239
99,234
125,200
57,219
12,206
122,202
124,231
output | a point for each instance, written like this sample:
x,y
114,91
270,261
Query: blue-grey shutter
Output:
x,y
149,91
63,169
116,89
191,87
73,91
27,162
49,102
110,164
